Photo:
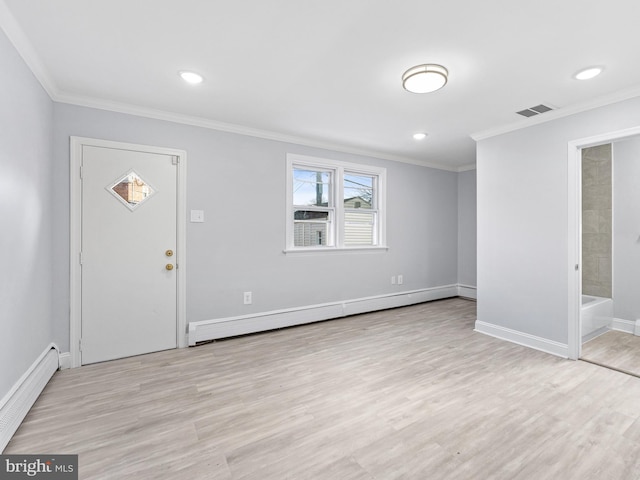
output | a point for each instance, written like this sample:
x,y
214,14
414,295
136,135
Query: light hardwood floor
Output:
x,y
616,350
411,393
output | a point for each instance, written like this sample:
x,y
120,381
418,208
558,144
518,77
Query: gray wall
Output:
x,y
523,220
25,217
467,228
239,182
626,229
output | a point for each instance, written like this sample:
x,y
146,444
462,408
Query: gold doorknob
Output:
x,y
169,266
169,253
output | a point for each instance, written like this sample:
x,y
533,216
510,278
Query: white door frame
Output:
x,y
75,236
575,229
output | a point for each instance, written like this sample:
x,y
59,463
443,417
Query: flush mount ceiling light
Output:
x,y
419,136
425,78
588,73
191,77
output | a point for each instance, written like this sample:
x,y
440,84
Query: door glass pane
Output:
x,y
311,187
358,191
359,228
131,190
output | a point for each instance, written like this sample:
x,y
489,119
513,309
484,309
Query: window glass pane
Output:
x,y
310,228
358,191
131,190
311,215
311,187
359,228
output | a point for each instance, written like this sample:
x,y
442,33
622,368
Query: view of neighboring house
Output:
x,y
311,226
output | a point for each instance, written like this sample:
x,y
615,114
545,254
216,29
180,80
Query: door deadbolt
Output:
x,y
169,253
169,266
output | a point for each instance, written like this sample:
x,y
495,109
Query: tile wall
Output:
x,y
596,221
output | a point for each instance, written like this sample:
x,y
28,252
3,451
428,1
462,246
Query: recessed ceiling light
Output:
x,y
191,77
425,78
419,136
588,73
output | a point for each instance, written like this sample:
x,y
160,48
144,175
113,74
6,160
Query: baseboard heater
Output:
x,y
17,403
207,330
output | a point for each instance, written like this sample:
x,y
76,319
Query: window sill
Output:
x,y
329,250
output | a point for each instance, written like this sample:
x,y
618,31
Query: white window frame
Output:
x,y
337,169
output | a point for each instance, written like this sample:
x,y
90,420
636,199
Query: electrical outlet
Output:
x,y
248,300
400,280
393,280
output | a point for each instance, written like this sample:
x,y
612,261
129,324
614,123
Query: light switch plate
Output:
x,y
197,216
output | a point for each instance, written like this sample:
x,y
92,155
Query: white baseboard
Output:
x,y
467,291
524,339
16,403
65,360
232,326
626,326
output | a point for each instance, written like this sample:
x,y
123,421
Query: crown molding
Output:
x,y
24,48
602,101
466,168
202,122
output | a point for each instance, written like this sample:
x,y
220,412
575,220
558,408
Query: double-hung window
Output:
x,y
334,205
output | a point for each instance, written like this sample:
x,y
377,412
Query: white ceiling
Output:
x,y
328,72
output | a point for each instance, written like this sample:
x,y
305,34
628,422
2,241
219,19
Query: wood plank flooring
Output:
x,y
411,393
614,349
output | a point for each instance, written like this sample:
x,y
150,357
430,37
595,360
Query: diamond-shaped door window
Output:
x,y
131,190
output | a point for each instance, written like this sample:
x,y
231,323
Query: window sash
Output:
x,y
313,232
360,227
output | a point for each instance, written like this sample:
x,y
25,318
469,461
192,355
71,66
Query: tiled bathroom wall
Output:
x,y
596,221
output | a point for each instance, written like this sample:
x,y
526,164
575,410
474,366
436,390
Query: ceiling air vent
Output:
x,y
531,111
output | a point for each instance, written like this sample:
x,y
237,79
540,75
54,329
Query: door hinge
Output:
x,y
80,344
80,257
577,267
81,171
175,160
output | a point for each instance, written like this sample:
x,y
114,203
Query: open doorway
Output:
x,y
604,320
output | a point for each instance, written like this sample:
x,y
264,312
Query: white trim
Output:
x,y
574,245
621,325
145,112
466,168
323,250
574,252
232,326
25,49
16,403
467,291
336,208
524,339
560,113
75,223
64,359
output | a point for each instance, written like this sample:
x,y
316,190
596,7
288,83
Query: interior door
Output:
x,y
128,261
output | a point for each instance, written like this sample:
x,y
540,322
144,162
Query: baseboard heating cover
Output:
x,y
18,401
206,330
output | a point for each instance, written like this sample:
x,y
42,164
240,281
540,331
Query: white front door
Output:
x,y
128,259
